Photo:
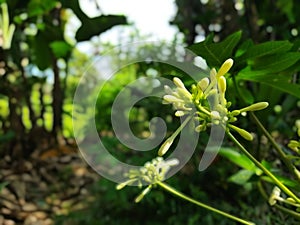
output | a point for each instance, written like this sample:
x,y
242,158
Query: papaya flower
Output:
x,y
151,173
207,103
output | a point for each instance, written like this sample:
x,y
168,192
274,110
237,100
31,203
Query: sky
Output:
x,y
149,17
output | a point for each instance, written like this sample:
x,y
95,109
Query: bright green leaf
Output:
x,y
241,177
40,7
238,159
245,45
61,49
280,82
276,63
286,181
264,49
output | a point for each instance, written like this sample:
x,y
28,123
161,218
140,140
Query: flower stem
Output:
x,y
281,154
185,197
264,169
286,210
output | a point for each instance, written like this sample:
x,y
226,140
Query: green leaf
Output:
x,y
40,7
244,46
61,49
98,25
241,177
247,96
238,159
276,63
264,49
287,7
278,81
40,45
286,181
41,52
216,53
8,136
92,26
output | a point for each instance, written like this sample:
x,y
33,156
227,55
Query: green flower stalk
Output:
x,y
154,173
167,144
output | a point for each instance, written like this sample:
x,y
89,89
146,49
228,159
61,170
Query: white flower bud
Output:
x,y
179,113
123,184
165,146
168,90
255,107
178,82
222,84
225,67
215,115
274,195
184,93
245,134
141,196
203,83
213,74
200,128
171,99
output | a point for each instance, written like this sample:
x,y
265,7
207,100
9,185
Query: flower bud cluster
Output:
x,y
209,101
152,172
276,197
181,98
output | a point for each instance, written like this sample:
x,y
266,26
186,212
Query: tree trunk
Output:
x,y
57,102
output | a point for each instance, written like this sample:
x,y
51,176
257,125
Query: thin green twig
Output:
x,y
264,169
185,197
281,153
288,211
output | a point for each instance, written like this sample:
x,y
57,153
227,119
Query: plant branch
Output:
x,y
264,169
288,211
185,197
281,154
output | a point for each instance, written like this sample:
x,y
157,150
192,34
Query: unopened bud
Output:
x,y
123,184
200,128
141,196
178,82
222,84
179,113
184,93
236,112
213,74
255,107
225,67
168,90
245,134
171,99
203,83
165,146
274,195
215,115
